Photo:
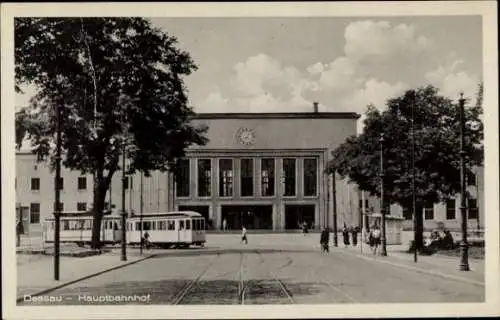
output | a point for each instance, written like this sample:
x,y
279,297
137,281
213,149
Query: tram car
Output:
x,y
179,229
76,227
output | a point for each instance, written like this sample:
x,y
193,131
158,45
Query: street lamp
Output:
x,y
334,203
123,213
464,258
383,251
57,191
413,191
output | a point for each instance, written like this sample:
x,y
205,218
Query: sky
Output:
x,y
284,64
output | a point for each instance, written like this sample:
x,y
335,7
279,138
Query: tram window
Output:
x,y
137,226
162,225
147,225
181,224
116,227
66,225
195,224
202,224
171,225
154,226
188,224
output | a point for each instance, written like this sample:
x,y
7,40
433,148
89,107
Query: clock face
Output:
x,y
246,136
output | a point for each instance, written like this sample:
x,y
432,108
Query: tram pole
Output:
x,y
123,213
57,191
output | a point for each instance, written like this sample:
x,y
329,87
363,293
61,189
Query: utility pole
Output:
x,y
383,251
334,203
464,256
123,213
57,191
414,201
142,210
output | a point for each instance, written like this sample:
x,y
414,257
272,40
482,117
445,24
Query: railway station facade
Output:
x,y
261,170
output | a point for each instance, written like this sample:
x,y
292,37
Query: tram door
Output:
x,y
182,232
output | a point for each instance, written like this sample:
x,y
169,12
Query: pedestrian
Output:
x,y
244,235
375,236
304,228
224,225
345,235
325,240
146,241
19,232
354,232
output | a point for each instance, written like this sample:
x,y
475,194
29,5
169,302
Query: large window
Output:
x,y
182,179
35,212
267,175
225,177
246,177
81,206
289,177
450,209
35,184
82,183
429,212
310,177
473,209
204,178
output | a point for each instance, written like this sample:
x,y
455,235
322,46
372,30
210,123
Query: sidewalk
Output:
x,y
434,264
37,274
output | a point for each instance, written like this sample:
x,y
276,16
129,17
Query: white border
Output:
x,y
487,9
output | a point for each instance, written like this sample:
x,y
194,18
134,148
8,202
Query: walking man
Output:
x,y
324,241
244,235
224,225
19,232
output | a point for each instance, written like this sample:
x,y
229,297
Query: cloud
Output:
x,y
451,81
377,59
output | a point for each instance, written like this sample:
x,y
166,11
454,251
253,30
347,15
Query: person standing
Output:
x,y
244,235
375,238
345,235
325,240
19,232
354,233
224,225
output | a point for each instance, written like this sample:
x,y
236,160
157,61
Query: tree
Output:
x,y
117,81
437,158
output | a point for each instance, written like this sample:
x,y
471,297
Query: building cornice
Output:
x,y
289,115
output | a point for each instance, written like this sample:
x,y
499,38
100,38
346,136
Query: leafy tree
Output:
x,y
116,82
436,140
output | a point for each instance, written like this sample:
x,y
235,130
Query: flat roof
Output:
x,y
279,115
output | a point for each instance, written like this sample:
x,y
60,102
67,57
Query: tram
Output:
x,y
76,227
179,229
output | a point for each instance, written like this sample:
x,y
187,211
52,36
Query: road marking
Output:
x,y
345,294
420,270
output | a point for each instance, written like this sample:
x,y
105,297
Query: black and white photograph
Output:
x,y
250,160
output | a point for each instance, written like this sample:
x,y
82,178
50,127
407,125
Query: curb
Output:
x,y
39,293
416,269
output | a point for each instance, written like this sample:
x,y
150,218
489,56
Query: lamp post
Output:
x,y
123,213
383,251
414,201
464,258
57,191
142,211
334,203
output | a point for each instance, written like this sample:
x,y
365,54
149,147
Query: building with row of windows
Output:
x,y
264,171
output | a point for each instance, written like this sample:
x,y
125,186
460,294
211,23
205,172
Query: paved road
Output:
x,y
262,275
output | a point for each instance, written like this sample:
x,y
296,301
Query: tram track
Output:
x,y
279,282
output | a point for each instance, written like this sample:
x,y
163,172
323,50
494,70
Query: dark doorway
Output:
x,y
203,210
252,217
295,215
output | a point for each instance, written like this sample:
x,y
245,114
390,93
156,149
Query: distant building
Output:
x,y
446,214
261,170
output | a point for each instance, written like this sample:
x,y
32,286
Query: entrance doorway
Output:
x,y
203,210
295,215
252,217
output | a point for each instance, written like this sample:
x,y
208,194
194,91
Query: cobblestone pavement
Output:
x,y
272,269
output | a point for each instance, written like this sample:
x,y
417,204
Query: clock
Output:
x,y
246,136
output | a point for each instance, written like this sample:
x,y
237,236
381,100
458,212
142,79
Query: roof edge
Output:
x,y
279,115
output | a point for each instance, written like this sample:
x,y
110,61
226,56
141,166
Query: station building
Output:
x,y
262,170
